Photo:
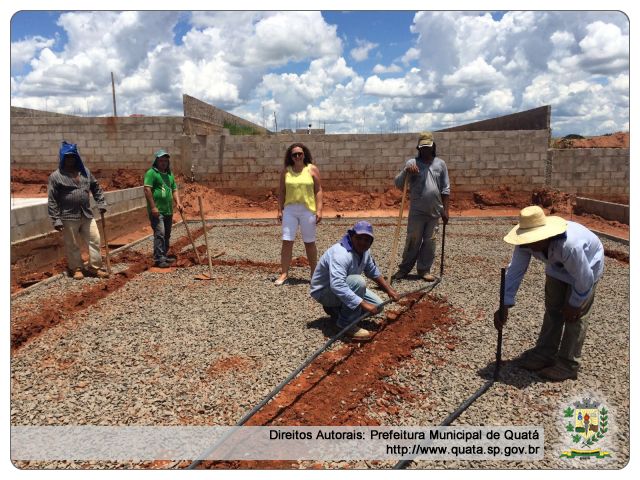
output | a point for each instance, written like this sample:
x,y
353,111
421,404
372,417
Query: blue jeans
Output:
x,y
161,226
334,306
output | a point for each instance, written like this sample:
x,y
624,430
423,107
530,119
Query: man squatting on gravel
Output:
x,y
70,212
574,259
337,281
428,185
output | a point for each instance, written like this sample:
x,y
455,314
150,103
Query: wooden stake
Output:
x,y
394,248
206,240
186,225
106,242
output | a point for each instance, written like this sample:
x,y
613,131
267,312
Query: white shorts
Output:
x,y
297,214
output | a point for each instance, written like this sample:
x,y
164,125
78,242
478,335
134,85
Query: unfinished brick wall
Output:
x,y
195,108
601,172
476,160
104,142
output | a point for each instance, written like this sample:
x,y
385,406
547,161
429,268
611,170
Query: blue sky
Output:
x,y
354,71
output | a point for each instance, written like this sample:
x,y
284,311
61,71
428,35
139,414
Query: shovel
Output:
x,y
204,276
394,248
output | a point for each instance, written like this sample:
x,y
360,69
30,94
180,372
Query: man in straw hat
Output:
x,y
574,259
429,194
338,285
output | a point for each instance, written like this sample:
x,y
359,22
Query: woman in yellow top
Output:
x,y
300,203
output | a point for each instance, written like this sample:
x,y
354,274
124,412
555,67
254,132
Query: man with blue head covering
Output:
x,y
70,211
338,285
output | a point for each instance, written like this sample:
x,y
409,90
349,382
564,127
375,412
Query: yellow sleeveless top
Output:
x,y
299,188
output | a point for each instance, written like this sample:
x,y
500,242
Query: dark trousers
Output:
x,y
161,226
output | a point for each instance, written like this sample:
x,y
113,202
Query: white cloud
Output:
x,y
393,68
477,73
468,66
23,51
412,85
361,52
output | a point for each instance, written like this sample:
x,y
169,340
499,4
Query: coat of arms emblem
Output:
x,y
587,422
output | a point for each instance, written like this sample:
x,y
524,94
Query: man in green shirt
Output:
x,y
161,190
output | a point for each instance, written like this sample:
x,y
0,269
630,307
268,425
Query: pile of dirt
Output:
x,y
216,201
613,140
502,196
556,201
26,182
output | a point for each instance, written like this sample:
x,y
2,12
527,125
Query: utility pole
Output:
x,y
113,91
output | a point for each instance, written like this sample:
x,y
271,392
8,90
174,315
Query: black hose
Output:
x,y
452,416
293,374
467,403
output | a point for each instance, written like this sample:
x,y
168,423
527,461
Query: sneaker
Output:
x,y
358,334
163,264
533,363
558,373
78,275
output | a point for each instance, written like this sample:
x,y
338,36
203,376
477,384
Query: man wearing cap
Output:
x,y
161,191
337,281
70,211
574,259
428,184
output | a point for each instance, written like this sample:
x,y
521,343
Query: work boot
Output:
x,y
427,277
171,260
163,264
533,363
558,373
78,275
358,334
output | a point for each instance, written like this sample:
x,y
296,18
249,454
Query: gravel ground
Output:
x,y
168,350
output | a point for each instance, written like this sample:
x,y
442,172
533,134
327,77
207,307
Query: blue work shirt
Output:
x,y
576,258
333,268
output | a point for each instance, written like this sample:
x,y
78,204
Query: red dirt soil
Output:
x,y
614,140
334,389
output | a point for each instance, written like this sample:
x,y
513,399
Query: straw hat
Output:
x,y
535,226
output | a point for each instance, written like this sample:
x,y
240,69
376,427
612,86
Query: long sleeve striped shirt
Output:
x,y
69,200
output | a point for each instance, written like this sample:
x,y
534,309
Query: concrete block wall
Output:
x,y
608,210
33,220
104,142
476,160
591,171
198,109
